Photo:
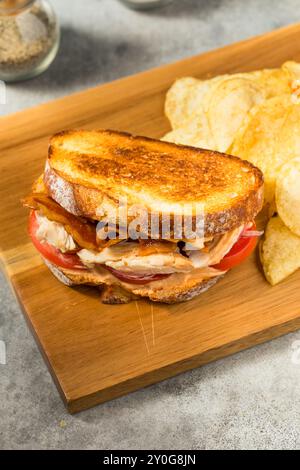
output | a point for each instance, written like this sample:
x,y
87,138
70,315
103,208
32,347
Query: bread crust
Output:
x,y
84,202
181,293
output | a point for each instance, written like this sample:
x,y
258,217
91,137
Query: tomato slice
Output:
x,y
134,278
49,252
239,252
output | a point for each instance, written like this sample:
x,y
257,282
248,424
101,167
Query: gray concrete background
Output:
x,y
250,400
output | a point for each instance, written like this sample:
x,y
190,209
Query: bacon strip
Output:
x,y
82,230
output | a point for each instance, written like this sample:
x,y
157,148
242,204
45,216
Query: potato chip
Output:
x,y
275,82
225,100
262,140
196,133
254,110
279,251
292,68
230,100
179,105
188,96
289,138
186,99
288,195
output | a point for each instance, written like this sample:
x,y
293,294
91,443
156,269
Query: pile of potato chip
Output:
x,y
255,116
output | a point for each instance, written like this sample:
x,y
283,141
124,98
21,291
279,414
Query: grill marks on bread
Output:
x,y
168,171
103,166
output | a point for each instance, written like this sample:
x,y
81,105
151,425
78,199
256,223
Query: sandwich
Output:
x,y
87,234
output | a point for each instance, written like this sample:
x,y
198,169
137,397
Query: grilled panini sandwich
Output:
x,y
88,173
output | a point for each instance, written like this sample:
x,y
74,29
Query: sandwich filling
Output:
x,y
140,257
71,243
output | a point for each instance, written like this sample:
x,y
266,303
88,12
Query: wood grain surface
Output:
x,y
97,352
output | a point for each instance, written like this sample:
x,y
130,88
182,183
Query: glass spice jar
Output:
x,y
29,38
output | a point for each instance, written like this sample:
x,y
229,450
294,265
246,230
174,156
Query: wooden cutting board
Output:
x,y
97,352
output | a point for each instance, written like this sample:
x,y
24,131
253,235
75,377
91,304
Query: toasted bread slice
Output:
x,y
170,293
87,170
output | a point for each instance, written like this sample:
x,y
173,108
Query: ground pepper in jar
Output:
x,y
29,38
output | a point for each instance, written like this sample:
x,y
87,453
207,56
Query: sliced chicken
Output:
x,y
128,257
220,248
